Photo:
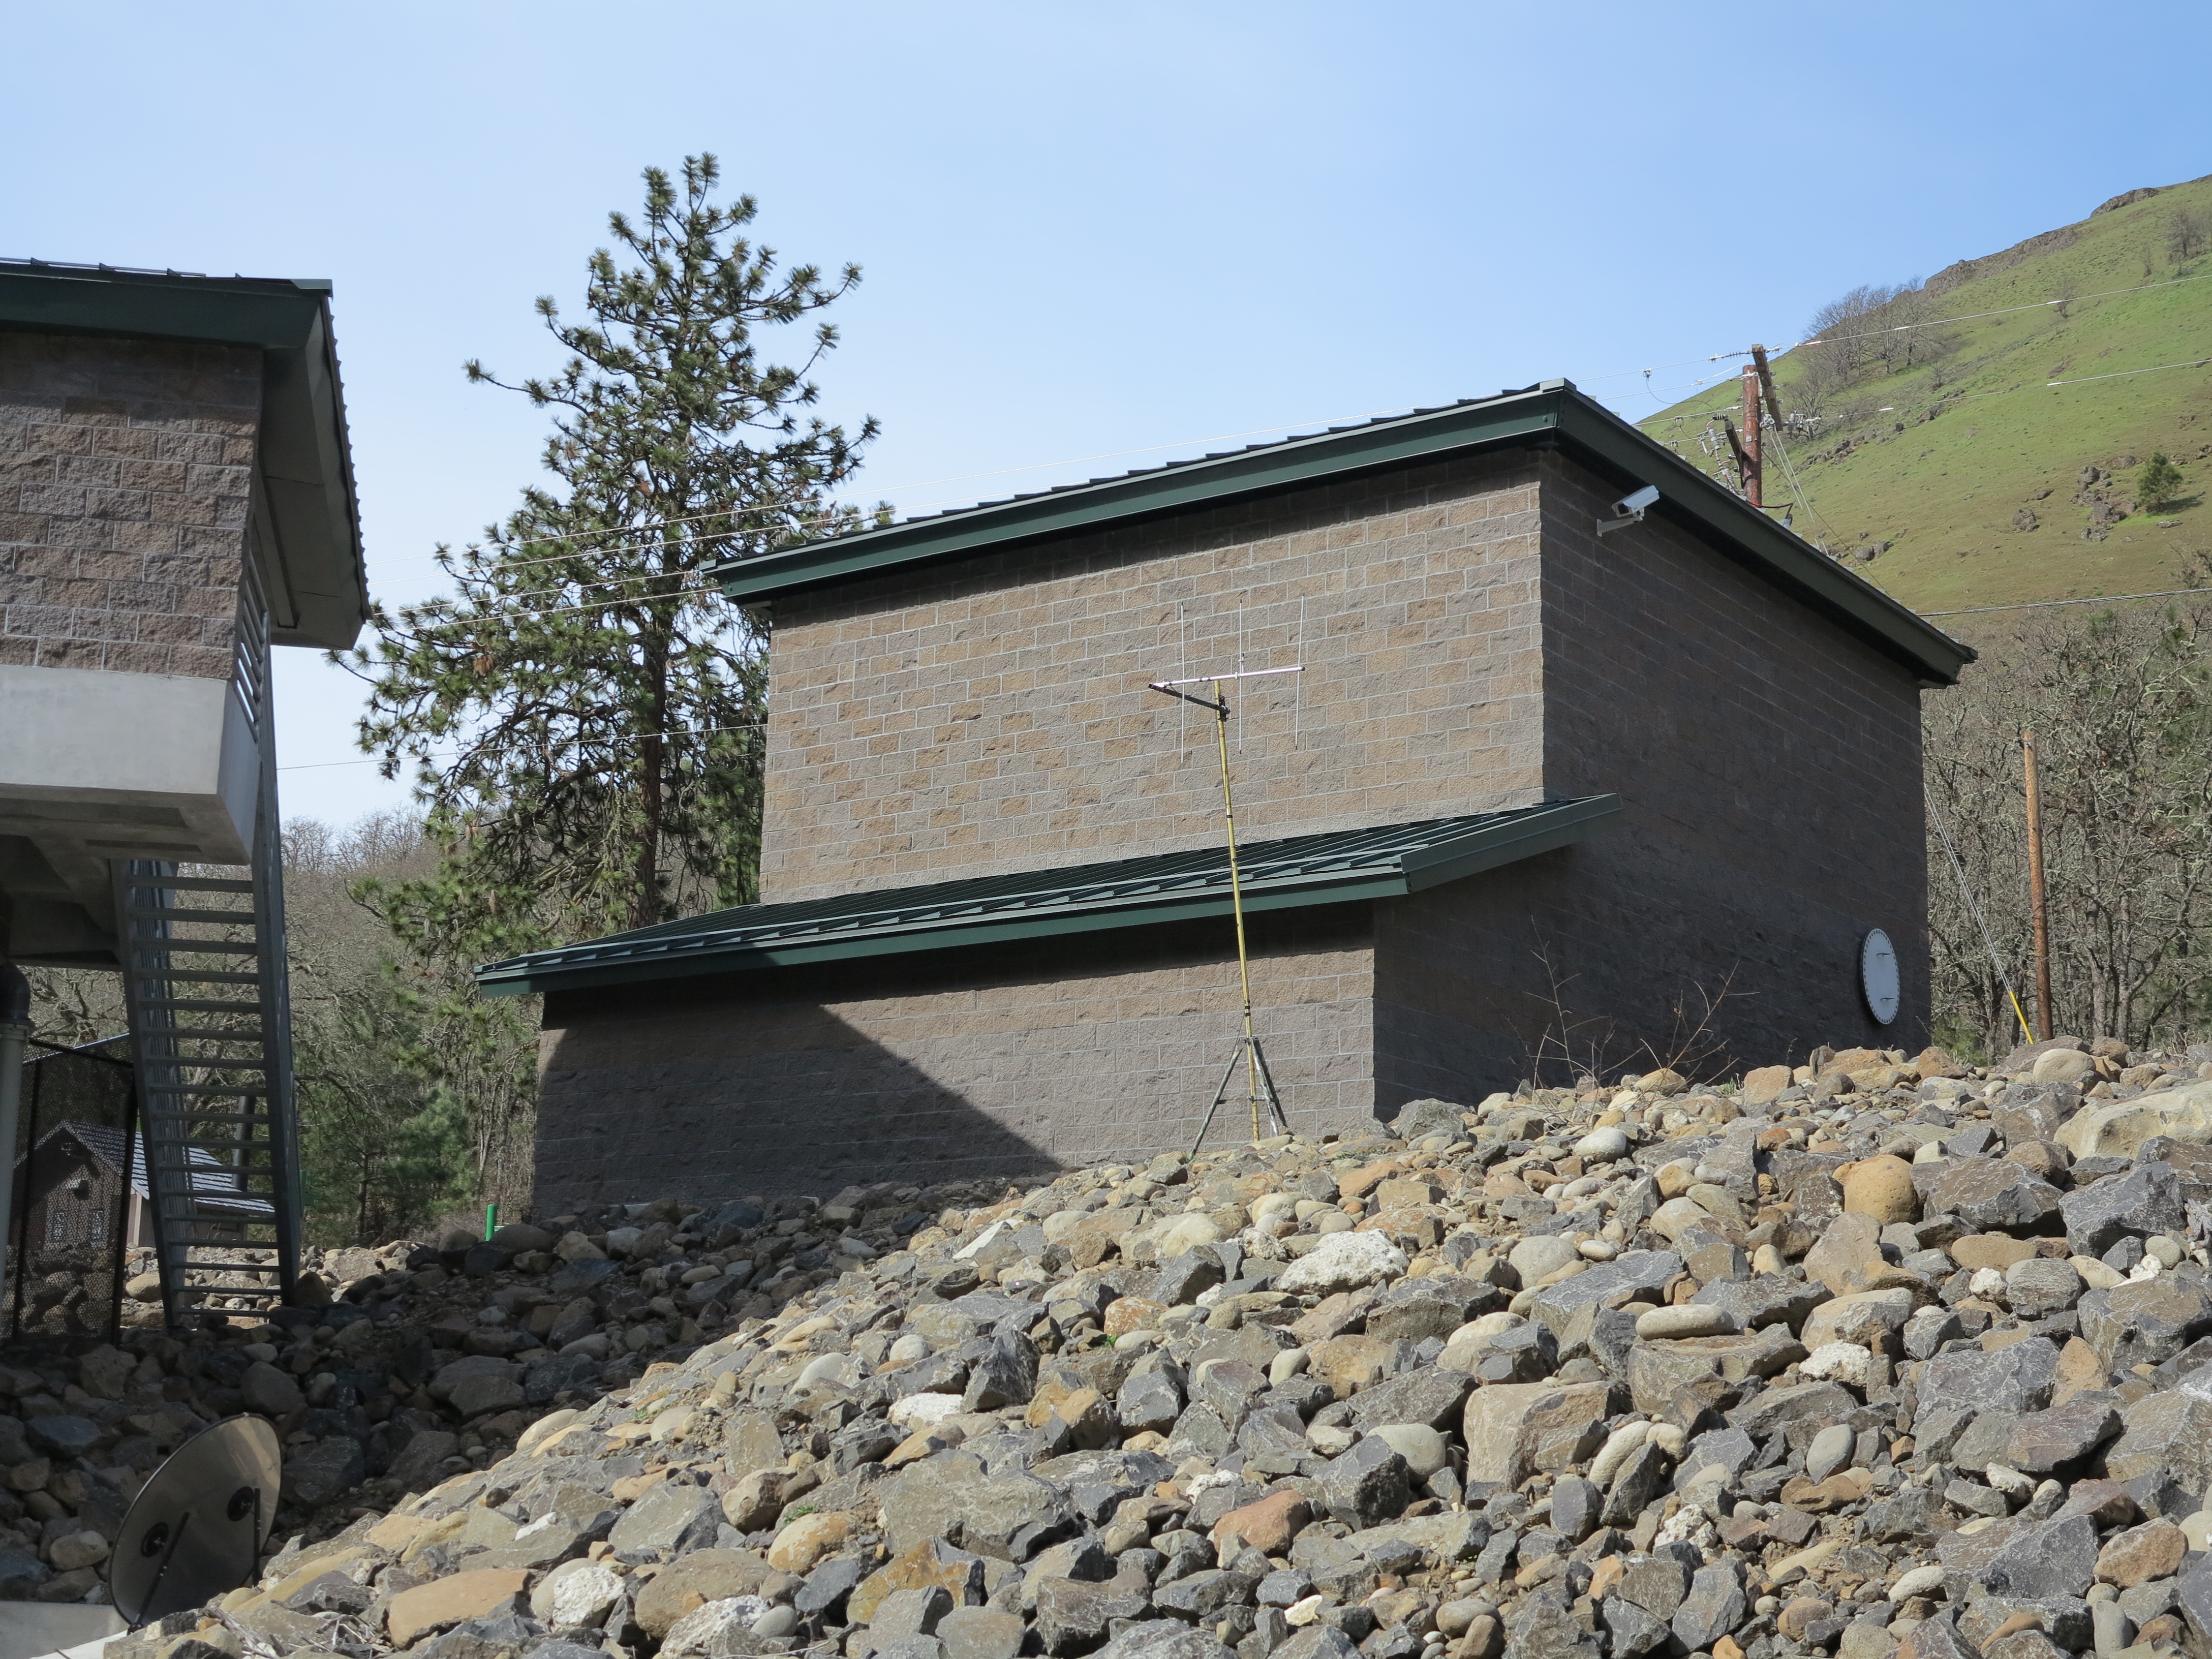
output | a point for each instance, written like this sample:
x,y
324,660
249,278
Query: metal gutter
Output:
x,y
306,493
715,944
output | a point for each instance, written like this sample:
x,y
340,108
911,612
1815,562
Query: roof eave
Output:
x,y
1554,414
656,957
319,588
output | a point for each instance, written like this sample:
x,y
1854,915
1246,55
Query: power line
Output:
x,y
2003,311
2046,605
638,736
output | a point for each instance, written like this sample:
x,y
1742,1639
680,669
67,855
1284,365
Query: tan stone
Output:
x,y
1268,1526
1762,1086
443,1603
1935,1062
2152,1549
1133,1313
931,1562
1346,1362
1881,1188
807,1540
1999,1250
690,1582
1407,1192
1360,1182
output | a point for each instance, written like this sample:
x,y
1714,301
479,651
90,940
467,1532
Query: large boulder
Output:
x,y
2116,1130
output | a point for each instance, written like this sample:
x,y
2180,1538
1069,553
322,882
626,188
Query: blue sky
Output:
x,y
1094,237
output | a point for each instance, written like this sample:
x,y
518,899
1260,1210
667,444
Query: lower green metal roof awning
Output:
x,y
1303,871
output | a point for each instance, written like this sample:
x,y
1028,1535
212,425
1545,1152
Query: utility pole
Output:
x,y
1748,448
2038,901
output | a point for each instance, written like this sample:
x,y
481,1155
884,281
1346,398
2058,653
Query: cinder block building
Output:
x,y
1535,791
176,499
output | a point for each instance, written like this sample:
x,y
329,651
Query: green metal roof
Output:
x,y
1336,868
318,587
1552,415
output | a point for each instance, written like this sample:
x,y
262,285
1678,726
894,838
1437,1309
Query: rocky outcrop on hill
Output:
x,y
1877,1356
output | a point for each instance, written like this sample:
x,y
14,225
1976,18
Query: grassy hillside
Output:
x,y
1955,450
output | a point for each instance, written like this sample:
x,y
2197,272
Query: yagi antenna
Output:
x,y
1260,1085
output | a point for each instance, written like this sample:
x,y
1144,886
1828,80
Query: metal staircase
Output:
x,y
202,952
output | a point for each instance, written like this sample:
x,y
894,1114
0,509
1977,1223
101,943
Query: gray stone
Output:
x,y
2144,1323
1574,1508
1938,1637
63,1435
1993,1195
1428,1394
2058,1558
1830,1451
1545,1628
1151,1399
1171,1638
1713,1607
1422,1308
1630,1631
915,1612
315,1476
666,1518
1761,1300
1656,1583
1005,1373
1185,1278
2146,1199
980,1633
2039,1287
1416,1119
269,1391
1200,1597
1367,1485
2059,1441
2016,1379
1638,1482
1772,1410
1636,1270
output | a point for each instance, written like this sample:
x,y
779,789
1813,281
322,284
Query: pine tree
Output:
x,y
583,718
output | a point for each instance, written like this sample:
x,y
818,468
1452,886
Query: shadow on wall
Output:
x,y
651,1105
998,1060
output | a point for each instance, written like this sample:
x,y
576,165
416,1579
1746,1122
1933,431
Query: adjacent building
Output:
x,y
176,498
1554,783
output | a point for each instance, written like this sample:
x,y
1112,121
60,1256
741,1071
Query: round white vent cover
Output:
x,y
1877,975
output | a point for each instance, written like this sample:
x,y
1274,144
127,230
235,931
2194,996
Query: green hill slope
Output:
x,y
1927,445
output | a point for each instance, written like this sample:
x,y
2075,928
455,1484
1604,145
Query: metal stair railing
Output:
x,y
213,1046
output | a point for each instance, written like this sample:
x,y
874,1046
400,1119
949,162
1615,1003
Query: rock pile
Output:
x,y
1875,1356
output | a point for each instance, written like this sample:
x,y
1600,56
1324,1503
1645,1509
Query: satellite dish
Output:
x,y
1878,978
196,1528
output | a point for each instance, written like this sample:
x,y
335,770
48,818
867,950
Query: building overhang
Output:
x,y
318,583
1341,867
1550,416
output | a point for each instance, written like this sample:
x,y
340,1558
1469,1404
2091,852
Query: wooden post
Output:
x,y
1750,440
2038,901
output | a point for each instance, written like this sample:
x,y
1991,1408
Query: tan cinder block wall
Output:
x,y
988,1062
125,470
991,715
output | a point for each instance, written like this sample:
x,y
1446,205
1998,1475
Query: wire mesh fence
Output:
x,y
79,1173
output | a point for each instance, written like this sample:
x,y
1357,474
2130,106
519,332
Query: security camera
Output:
x,y
1629,509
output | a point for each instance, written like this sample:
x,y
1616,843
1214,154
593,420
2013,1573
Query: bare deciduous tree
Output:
x,y
2120,703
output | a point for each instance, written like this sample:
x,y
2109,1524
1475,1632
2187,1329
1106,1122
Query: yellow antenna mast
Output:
x,y
1260,1086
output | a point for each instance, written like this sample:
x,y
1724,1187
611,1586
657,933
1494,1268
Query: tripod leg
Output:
x,y
1219,1095
1274,1100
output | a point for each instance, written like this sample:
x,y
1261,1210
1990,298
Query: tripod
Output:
x,y
1260,1085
